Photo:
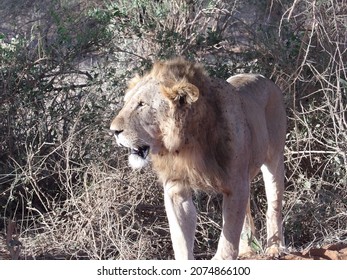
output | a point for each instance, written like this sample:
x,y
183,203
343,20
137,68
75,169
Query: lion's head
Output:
x,y
170,116
156,109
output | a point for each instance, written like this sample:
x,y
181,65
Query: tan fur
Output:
x,y
208,134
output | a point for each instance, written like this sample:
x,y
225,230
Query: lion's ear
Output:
x,y
182,93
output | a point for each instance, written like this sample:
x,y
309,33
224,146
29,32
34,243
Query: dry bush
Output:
x,y
62,76
317,142
107,218
62,180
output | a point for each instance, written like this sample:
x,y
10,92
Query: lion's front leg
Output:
x,y
181,214
234,210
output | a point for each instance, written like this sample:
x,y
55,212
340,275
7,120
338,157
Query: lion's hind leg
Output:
x,y
248,242
273,174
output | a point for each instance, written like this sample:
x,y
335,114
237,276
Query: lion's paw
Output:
x,y
231,256
275,251
246,252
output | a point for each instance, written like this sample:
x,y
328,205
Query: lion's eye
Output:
x,y
140,104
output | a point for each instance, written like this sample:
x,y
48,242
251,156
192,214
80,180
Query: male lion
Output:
x,y
208,134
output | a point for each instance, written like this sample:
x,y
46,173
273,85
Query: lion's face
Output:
x,y
150,120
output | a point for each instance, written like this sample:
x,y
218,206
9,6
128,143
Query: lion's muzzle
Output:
x,y
138,157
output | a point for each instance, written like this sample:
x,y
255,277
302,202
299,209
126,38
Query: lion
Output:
x,y
204,133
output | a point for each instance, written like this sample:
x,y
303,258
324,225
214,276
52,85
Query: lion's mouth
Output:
x,y
140,151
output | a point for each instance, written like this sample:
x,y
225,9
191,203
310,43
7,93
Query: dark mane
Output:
x,y
201,160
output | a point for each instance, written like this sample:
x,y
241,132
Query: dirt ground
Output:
x,y
336,251
330,252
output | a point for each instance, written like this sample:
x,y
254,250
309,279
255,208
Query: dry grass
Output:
x,y
108,213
